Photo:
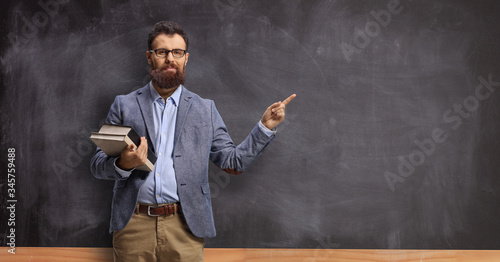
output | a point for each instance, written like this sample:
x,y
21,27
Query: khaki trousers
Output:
x,y
157,239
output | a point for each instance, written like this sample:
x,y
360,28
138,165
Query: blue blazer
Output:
x,y
200,136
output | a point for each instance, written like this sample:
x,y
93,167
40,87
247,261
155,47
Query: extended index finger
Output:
x,y
289,99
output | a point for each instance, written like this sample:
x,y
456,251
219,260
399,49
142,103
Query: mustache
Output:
x,y
169,65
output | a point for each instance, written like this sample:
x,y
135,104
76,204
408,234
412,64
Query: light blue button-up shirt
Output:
x,y
160,186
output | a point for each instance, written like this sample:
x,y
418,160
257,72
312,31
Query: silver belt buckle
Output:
x,y
149,212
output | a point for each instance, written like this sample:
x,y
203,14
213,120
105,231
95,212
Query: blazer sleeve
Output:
x,y
230,158
101,165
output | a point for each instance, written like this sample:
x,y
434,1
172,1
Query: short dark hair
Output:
x,y
168,28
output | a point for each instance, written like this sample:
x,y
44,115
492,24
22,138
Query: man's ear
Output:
x,y
148,57
187,56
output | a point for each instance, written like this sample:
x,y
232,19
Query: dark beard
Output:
x,y
164,79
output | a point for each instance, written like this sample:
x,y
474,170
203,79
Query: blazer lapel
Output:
x,y
182,111
147,115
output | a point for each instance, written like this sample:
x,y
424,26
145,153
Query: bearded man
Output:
x,y
165,214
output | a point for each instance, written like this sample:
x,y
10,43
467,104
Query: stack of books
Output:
x,y
113,139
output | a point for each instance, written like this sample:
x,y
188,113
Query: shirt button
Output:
x,y
160,154
157,174
158,196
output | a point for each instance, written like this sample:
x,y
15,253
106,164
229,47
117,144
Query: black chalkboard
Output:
x,y
392,141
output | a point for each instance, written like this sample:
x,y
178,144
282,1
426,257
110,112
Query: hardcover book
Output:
x,y
113,139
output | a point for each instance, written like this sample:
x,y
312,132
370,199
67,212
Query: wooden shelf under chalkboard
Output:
x,y
55,254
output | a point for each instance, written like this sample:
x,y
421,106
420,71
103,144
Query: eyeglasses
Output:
x,y
162,52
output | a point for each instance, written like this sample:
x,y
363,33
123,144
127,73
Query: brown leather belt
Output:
x,y
156,211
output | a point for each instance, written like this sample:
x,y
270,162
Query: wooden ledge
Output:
x,y
58,254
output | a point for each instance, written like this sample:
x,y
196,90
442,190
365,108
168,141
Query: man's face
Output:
x,y
167,72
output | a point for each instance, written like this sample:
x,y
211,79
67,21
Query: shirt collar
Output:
x,y
175,96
